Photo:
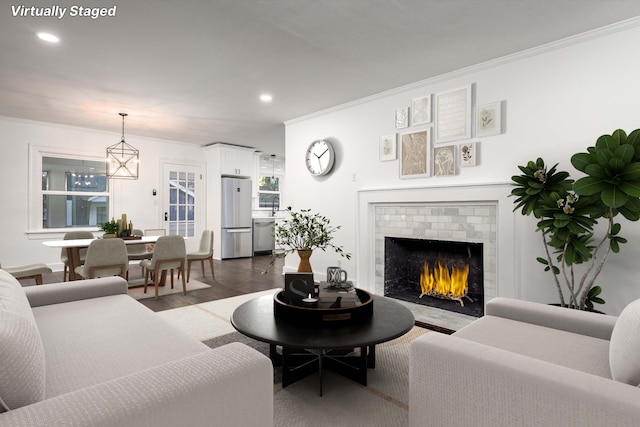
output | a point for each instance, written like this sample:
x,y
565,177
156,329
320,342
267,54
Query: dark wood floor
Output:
x,y
233,277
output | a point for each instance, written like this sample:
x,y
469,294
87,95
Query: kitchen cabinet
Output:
x,y
236,161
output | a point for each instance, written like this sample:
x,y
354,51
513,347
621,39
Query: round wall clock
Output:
x,y
320,157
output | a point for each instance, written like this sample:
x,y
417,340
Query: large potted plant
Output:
x,y
303,232
568,210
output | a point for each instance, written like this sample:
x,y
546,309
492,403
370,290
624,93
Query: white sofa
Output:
x,y
85,353
528,364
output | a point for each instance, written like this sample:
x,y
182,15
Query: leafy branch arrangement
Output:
x,y
305,230
568,211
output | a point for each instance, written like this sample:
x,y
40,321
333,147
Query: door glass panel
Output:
x,y
182,202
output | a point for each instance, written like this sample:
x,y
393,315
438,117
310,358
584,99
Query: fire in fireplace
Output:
x,y
442,274
444,282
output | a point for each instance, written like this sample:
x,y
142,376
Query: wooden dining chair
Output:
x,y
169,254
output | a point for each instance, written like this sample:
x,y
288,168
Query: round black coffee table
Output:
x,y
310,348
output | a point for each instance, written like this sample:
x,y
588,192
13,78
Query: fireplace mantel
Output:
x,y
495,195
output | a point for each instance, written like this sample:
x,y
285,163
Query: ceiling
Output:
x,y
192,71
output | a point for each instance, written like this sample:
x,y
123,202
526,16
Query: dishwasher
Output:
x,y
263,240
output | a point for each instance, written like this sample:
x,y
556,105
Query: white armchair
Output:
x,y
529,364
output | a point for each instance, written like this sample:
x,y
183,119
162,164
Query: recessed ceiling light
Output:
x,y
266,97
48,37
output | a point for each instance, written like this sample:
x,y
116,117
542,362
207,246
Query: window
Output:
x,y
270,182
74,192
269,192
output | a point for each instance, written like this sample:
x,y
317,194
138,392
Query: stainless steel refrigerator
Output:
x,y
236,236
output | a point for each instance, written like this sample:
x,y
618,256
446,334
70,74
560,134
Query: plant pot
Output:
x,y
592,310
305,265
108,235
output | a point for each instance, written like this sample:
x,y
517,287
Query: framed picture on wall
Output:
x,y
402,118
414,154
469,154
444,160
489,119
421,110
453,115
388,147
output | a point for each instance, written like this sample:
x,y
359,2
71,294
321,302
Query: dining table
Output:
x,y
73,249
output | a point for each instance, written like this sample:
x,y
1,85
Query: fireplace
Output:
x,y
447,275
479,213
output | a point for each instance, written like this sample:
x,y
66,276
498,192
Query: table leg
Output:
x,y
276,358
320,369
297,364
371,357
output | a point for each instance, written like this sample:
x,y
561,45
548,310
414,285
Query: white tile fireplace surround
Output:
x,y
472,213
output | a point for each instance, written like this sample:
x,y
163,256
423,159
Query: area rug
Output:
x,y
136,288
209,319
383,402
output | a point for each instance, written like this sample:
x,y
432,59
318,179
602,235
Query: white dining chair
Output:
x,y
73,235
205,252
30,271
139,251
169,254
105,257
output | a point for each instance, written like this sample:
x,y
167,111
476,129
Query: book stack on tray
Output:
x,y
340,295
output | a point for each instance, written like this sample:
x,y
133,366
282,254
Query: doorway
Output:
x,y
183,200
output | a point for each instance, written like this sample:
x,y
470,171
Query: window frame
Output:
x,y
269,166
36,154
276,193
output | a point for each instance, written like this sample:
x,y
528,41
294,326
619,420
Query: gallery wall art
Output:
x,y
469,154
402,118
421,110
414,154
445,117
388,147
444,160
453,115
489,119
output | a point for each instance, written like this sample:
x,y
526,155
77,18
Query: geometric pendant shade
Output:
x,y
123,159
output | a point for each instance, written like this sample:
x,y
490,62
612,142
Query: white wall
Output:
x,y
558,100
133,197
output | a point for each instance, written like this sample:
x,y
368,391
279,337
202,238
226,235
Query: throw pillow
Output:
x,y
625,346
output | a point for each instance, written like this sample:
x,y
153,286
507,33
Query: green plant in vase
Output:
x,y
303,232
110,229
568,210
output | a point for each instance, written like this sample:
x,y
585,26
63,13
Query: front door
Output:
x,y
183,212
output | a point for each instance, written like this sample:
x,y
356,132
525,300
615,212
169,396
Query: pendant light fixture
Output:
x,y
273,164
123,159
